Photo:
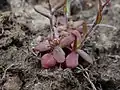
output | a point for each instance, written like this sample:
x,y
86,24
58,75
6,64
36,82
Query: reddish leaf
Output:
x,y
42,46
77,40
74,44
85,56
77,34
72,60
48,60
59,54
66,41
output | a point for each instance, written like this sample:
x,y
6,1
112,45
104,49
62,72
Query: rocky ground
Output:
x,y
21,70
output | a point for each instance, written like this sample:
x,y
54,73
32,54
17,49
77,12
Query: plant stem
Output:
x,y
51,19
45,15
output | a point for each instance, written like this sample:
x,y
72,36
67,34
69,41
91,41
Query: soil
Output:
x,y
20,25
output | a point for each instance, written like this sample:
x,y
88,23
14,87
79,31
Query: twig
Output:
x,y
59,5
2,31
5,71
88,78
107,2
104,25
81,70
44,14
84,39
93,28
94,25
50,7
114,56
32,51
51,19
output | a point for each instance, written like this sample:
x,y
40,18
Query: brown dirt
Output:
x,y
17,33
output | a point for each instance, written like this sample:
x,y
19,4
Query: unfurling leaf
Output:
x,y
42,46
72,60
99,18
77,40
59,54
85,56
85,30
99,14
48,61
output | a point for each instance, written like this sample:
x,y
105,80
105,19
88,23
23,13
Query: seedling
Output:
x,y
65,34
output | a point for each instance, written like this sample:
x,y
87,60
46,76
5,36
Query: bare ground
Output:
x,y
18,31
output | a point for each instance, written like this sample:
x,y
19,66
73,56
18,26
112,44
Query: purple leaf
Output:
x,y
48,60
72,60
59,54
42,46
66,41
85,56
77,34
